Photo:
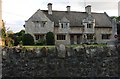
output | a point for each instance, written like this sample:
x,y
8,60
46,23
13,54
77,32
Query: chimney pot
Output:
x,y
49,8
88,9
68,8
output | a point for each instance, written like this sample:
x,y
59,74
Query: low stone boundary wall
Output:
x,y
61,61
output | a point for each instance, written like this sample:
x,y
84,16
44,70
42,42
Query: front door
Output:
x,y
71,39
78,39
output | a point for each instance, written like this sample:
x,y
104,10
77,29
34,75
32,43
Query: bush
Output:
x,y
9,41
41,41
50,38
27,39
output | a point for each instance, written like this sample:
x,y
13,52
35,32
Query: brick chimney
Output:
x,y
50,8
88,9
68,8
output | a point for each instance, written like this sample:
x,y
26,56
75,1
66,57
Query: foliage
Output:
x,y
3,33
50,38
27,39
117,18
41,41
20,33
18,37
9,41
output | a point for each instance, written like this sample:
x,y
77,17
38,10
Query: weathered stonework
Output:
x,y
78,27
61,61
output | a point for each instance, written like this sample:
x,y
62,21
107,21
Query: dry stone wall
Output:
x,y
61,61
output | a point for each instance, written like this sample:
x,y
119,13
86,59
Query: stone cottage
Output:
x,y
70,27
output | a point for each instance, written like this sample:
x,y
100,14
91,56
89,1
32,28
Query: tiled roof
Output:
x,y
75,18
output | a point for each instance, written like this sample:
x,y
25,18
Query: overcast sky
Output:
x,y
15,12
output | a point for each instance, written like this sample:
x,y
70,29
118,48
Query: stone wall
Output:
x,y
61,61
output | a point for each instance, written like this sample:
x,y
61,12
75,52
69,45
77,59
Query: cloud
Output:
x,y
15,26
104,5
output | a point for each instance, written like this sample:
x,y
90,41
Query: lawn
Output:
x,y
51,46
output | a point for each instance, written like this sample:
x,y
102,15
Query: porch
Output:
x,y
75,38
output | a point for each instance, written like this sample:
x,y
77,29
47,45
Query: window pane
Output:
x,y
60,37
62,25
89,25
105,36
89,36
38,36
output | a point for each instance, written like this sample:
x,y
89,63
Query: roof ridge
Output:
x,y
74,11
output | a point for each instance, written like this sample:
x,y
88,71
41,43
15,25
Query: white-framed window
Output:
x,y
38,36
64,25
89,25
61,37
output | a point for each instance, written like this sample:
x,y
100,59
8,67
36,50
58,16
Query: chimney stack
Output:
x,y
68,8
88,9
50,8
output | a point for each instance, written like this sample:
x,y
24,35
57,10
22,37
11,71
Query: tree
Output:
x,y
18,37
50,38
22,32
28,39
9,41
117,18
3,33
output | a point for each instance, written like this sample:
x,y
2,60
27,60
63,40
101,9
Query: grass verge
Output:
x,y
51,46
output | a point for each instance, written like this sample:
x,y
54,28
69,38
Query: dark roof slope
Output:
x,y
102,19
75,18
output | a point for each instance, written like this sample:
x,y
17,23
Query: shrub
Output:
x,y
41,41
50,38
28,39
9,41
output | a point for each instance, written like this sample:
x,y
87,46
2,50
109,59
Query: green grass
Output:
x,y
51,46
86,45
39,46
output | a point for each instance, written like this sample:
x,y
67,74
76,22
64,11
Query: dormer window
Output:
x,y
64,25
89,25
